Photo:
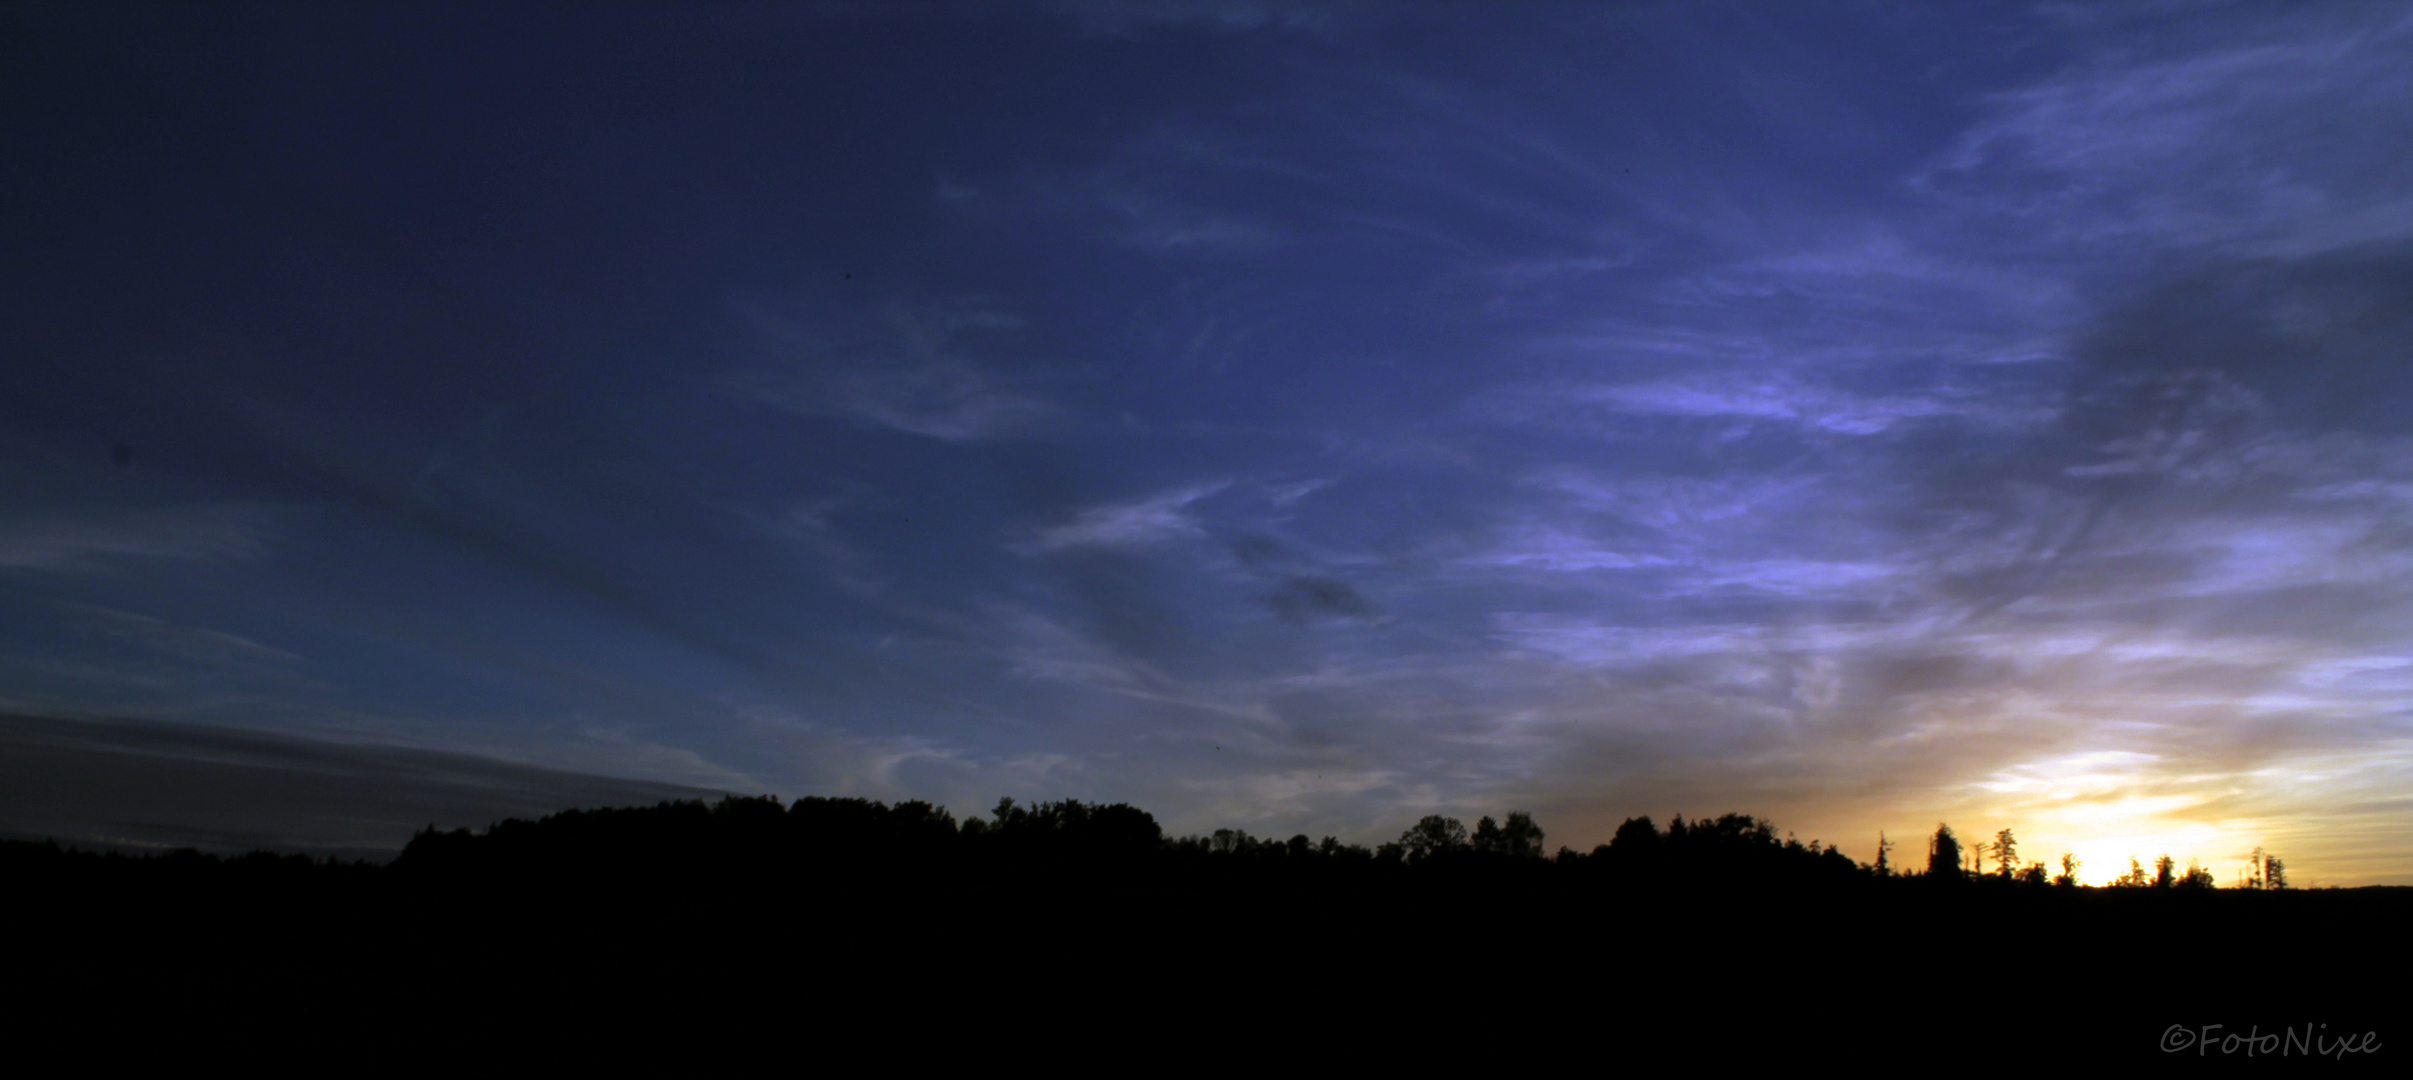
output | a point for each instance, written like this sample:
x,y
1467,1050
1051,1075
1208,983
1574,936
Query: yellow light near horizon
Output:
x,y
2076,803
2103,850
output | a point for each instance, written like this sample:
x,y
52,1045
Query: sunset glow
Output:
x,y
1300,418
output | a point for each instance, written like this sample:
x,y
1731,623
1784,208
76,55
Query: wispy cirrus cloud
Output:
x,y
1824,408
188,642
2240,144
69,540
943,399
907,370
1134,524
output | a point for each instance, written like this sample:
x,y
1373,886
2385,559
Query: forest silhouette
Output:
x,y
762,840
1716,928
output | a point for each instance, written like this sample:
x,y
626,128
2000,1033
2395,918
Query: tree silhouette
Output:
x,y
2264,871
1433,835
1487,837
1944,855
1106,875
1521,838
2006,854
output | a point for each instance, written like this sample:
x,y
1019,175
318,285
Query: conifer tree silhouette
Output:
x,y
1943,855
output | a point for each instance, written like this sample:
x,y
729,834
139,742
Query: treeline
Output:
x,y
760,837
742,835
1948,859
1073,918
1730,850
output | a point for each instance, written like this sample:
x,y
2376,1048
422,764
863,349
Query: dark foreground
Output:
x,y
1072,937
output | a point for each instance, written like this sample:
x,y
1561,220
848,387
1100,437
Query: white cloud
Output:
x,y
1288,495
2281,142
943,399
1683,505
1549,548
1140,523
1760,398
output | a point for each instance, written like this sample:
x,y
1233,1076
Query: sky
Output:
x,y
1290,417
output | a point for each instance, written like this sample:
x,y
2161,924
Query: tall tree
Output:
x,y
1636,836
1487,838
2006,854
1521,837
1432,835
1944,854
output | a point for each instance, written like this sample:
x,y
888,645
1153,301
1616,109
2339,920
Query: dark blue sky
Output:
x,y
1296,417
